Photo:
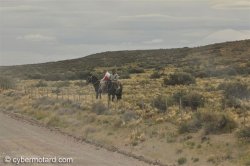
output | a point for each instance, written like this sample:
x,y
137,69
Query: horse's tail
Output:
x,y
119,91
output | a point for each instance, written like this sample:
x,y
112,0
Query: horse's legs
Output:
x,y
113,97
96,96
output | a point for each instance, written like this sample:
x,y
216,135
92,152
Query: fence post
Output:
x,y
180,107
92,98
68,94
108,103
166,103
245,114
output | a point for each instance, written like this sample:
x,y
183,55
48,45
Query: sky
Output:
x,y
36,31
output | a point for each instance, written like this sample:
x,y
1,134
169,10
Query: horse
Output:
x,y
114,89
96,83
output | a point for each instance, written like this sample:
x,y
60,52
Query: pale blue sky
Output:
x,y
34,31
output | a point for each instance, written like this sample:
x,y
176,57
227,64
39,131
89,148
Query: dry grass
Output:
x,y
133,124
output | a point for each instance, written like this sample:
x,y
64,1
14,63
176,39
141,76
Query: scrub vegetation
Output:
x,y
187,106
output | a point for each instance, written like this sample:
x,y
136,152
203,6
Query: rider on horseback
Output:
x,y
104,81
113,77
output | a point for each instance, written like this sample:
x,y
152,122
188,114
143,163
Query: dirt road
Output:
x,y
18,139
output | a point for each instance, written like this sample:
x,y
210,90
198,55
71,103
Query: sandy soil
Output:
x,y
18,139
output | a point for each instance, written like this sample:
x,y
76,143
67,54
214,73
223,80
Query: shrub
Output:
x,y
35,76
176,96
69,75
41,84
135,70
82,74
54,77
244,134
160,103
211,122
231,102
7,83
125,75
218,123
235,89
155,75
129,115
180,78
53,121
56,91
200,74
190,126
182,160
43,102
61,84
193,100
99,108
80,83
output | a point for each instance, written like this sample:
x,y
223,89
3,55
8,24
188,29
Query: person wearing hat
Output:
x,y
114,76
104,80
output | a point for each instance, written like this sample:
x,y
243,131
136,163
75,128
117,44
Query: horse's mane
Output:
x,y
94,77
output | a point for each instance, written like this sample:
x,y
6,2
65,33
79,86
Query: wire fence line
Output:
x,y
86,94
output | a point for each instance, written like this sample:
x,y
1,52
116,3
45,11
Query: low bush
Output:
x,y
160,103
213,123
190,126
43,102
244,134
129,115
180,78
182,160
217,123
125,75
82,74
192,99
41,83
135,70
56,91
54,77
61,84
99,108
53,121
155,75
231,102
80,83
235,89
35,76
7,83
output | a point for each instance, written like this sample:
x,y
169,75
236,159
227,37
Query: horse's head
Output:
x,y
92,79
89,79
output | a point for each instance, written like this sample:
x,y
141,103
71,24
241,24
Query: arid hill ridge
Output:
x,y
229,55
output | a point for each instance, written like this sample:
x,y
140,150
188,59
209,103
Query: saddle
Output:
x,y
104,85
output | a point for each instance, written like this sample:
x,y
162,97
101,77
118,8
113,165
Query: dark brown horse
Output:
x,y
96,83
114,89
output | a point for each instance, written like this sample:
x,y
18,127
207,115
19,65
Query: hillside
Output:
x,y
230,58
187,106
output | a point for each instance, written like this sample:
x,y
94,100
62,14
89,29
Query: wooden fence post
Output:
x,y
180,107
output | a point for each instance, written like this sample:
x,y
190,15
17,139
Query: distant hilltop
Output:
x,y
229,56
